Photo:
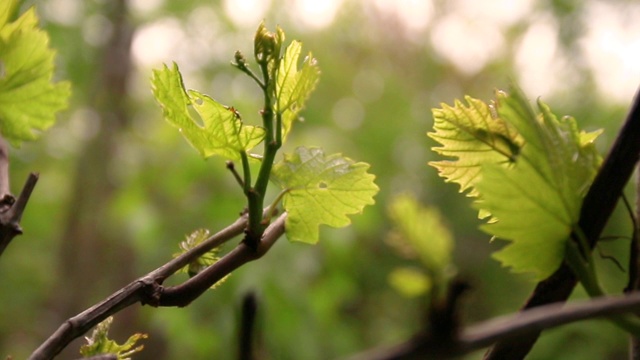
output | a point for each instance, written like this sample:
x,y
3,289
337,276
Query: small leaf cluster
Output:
x,y
529,172
100,344
209,258
316,188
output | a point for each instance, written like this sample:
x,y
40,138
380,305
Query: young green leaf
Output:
x,y
421,230
409,281
29,100
321,190
474,136
537,202
204,261
221,131
100,344
293,85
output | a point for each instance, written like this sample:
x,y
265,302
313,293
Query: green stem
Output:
x,y
279,128
256,194
252,75
579,259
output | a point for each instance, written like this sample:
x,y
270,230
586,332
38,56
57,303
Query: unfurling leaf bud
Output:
x,y
267,45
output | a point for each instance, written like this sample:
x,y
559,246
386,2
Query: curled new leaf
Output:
x,y
321,190
266,44
204,261
220,132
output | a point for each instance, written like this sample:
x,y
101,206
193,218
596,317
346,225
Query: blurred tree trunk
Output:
x,y
96,257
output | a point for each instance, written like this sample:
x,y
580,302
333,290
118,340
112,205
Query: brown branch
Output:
x,y
596,209
10,219
506,328
149,290
183,294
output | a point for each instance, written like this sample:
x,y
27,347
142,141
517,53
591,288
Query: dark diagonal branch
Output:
x,y
149,290
596,210
506,328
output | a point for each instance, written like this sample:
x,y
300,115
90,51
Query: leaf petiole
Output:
x,y
241,64
271,211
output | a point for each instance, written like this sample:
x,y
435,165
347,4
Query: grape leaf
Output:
x,y
529,171
537,202
420,229
474,135
321,190
221,131
293,85
29,100
100,344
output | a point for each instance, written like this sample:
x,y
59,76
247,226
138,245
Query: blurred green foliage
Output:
x,y
381,75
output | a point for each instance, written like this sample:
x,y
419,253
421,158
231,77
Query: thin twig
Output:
x,y
634,250
506,328
232,167
148,289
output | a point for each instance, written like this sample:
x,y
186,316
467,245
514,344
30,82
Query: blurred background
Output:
x,y
119,188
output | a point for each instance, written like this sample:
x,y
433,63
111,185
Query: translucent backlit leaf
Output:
x,y
29,100
529,170
474,136
537,201
219,129
321,190
293,85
